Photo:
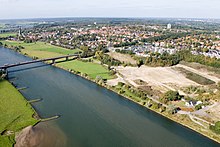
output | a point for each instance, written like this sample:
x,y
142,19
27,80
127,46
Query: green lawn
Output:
x,y
41,49
7,34
91,69
16,112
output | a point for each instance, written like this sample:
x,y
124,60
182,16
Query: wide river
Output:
x,y
92,115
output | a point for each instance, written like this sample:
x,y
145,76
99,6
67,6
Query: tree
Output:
x,y
140,62
198,107
171,96
216,127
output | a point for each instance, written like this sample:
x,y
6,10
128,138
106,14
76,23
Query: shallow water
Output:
x,y
92,115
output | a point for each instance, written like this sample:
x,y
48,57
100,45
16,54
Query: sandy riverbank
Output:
x,y
42,135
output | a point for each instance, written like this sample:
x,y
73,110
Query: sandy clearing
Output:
x,y
114,82
158,77
122,57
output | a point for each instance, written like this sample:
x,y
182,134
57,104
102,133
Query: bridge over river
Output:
x,y
6,66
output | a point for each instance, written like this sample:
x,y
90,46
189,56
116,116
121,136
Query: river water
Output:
x,y
92,115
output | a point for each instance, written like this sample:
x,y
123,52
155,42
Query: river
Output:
x,y
92,115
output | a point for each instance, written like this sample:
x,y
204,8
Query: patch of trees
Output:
x,y
86,52
171,96
131,92
165,59
187,56
166,36
126,44
216,127
106,59
124,51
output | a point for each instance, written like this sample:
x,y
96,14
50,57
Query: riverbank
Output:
x,y
16,113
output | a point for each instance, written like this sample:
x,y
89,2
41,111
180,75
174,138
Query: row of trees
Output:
x,y
164,59
106,59
188,57
166,36
122,44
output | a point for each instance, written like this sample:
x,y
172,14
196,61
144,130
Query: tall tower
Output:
x,y
19,32
169,26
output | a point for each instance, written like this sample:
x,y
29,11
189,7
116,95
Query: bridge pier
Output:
x,y
53,61
4,73
67,58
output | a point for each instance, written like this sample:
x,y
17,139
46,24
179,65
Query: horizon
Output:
x,y
109,17
185,9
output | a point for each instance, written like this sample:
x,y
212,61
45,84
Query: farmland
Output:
x,y
91,69
40,49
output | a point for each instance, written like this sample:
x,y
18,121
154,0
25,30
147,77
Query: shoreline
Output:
x,y
106,86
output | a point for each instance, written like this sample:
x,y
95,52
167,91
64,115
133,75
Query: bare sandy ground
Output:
x,y
122,57
160,78
214,112
41,135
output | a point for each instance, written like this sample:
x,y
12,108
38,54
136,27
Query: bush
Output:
x,y
171,96
121,84
198,107
216,127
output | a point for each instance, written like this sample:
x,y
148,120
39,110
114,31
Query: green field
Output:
x,y
89,68
41,49
7,34
16,112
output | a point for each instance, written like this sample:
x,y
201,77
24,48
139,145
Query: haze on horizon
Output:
x,y
13,9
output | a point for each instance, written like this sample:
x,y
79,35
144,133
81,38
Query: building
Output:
x,y
169,26
19,32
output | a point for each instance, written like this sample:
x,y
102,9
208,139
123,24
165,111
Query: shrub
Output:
x,y
216,127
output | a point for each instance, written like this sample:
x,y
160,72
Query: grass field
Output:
x,y
89,68
41,49
195,77
7,34
16,112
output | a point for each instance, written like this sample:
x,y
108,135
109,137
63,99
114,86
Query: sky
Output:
x,y
13,9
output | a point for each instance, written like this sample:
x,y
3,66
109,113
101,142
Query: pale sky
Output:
x,y
10,9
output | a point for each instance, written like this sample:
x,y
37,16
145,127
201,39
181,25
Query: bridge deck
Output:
x,y
35,61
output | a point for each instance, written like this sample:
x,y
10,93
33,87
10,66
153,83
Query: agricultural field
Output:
x,y
16,112
91,69
41,49
7,34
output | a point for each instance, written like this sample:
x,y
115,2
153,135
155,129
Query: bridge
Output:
x,y
6,66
